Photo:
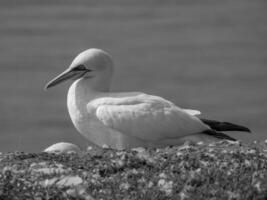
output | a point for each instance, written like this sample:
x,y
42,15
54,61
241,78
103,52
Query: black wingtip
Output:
x,y
218,135
225,126
235,127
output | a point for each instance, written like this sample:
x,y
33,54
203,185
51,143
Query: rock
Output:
x,y
63,147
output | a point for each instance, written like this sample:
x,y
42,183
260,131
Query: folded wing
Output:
x,y
146,117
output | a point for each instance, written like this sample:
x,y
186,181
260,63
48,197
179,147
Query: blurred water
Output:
x,y
209,55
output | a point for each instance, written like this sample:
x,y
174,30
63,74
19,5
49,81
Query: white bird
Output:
x,y
128,119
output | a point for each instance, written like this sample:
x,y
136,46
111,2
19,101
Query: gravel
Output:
x,y
222,170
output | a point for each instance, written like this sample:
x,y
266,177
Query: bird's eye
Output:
x,y
80,68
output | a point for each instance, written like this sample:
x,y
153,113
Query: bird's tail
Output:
x,y
224,126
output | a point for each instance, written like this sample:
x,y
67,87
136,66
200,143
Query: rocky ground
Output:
x,y
223,170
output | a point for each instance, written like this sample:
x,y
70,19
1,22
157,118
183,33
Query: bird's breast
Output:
x,y
76,102
84,119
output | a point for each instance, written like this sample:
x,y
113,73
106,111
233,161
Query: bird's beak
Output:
x,y
66,75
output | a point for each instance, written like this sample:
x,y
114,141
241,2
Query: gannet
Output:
x,y
124,120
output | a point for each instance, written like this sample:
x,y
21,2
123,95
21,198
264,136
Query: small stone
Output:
x,y
105,146
139,149
162,175
63,147
69,181
124,186
89,148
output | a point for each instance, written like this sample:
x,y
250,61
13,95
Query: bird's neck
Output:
x,y
87,89
95,84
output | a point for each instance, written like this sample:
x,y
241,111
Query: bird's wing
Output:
x,y
192,112
224,126
145,116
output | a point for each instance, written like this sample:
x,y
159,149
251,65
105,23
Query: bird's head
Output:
x,y
93,64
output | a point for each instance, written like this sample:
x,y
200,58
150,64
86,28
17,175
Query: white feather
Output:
x,y
192,112
146,117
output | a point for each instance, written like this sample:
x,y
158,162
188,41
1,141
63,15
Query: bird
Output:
x,y
124,120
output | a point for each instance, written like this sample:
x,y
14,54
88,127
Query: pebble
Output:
x,y
63,147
